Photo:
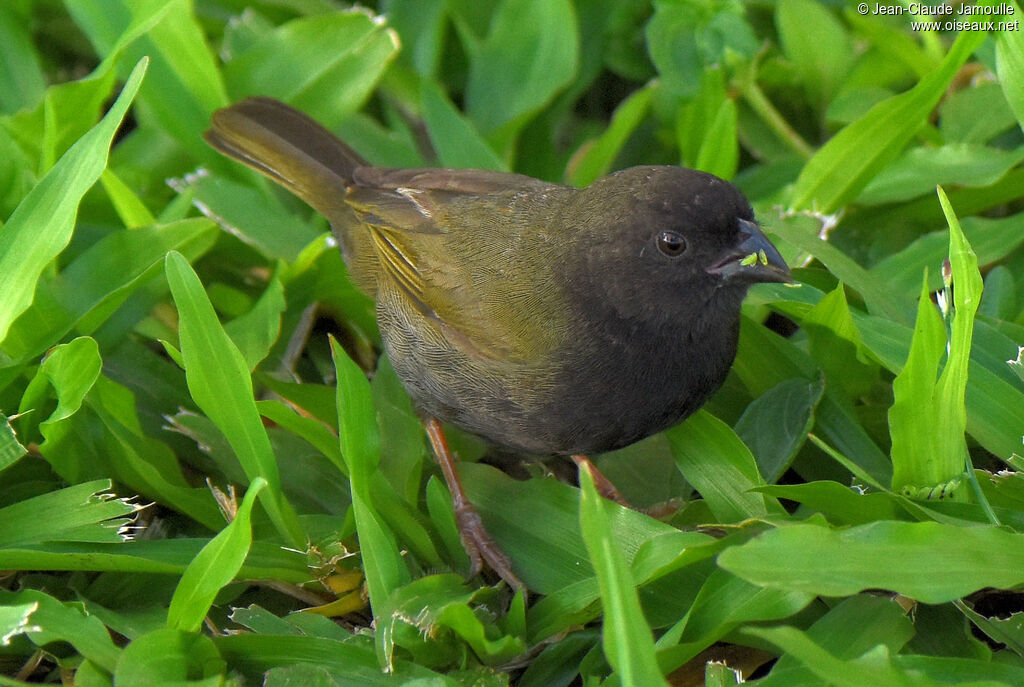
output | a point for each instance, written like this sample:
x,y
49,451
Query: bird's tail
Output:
x,y
290,148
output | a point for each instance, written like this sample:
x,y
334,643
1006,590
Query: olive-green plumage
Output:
x,y
546,318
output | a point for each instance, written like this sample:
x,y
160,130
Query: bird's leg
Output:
x,y
475,539
604,485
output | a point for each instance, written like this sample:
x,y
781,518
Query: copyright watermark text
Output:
x,y
944,17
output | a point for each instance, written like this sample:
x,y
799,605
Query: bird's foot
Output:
x,y
476,540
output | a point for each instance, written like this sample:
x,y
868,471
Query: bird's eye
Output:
x,y
671,243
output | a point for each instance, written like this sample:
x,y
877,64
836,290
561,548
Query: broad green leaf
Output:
x,y
325,65
86,512
927,561
719,674
685,38
214,567
919,170
853,626
837,346
718,464
14,621
456,140
1017,364
530,53
845,165
21,77
995,403
967,672
402,446
804,27
349,664
218,379
724,603
170,656
255,217
874,667
53,621
897,53
967,285
597,158
42,225
991,238
67,111
558,664
998,298
628,644
71,369
976,114
1010,67
839,503
775,425
10,448
541,534
645,473
421,25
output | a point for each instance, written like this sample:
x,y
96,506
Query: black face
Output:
x,y
666,230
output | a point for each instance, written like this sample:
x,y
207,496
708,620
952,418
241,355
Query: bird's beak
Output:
x,y
752,259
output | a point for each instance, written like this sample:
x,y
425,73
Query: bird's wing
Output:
x,y
463,247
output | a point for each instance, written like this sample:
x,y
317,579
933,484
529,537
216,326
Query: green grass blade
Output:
x,y
720,466
360,445
875,667
185,83
600,156
214,567
916,451
130,208
626,637
967,287
218,379
455,138
924,459
844,165
162,556
86,512
91,287
720,152
43,223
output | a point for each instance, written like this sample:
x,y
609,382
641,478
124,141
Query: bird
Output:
x,y
546,319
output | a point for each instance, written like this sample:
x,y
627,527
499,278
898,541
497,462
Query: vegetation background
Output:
x,y
851,501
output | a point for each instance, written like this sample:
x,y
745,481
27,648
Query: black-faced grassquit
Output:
x,y
545,318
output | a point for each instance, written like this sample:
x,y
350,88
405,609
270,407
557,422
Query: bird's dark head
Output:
x,y
664,243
